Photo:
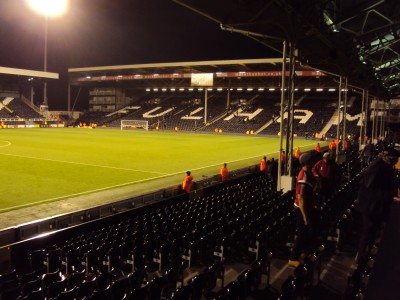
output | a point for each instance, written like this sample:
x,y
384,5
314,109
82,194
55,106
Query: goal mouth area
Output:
x,y
134,124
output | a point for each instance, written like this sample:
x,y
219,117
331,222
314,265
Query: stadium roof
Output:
x,y
22,77
256,73
358,39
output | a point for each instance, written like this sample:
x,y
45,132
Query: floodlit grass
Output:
x,y
42,165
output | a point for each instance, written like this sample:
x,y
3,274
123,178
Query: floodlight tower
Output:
x,y
48,8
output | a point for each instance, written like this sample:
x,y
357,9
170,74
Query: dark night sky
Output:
x,y
113,32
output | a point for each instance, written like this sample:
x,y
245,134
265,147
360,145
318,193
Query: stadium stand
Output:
x,y
223,243
251,112
19,112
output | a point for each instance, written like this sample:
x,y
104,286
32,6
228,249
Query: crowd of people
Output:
x,y
317,180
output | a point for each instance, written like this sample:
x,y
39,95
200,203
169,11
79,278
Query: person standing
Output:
x,y
263,164
305,209
367,153
346,146
325,171
187,182
332,145
332,149
376,193
224,173
297,152
273,170
317,148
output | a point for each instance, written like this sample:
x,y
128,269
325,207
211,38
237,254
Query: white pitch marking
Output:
x,y
109,187
7,144
82,164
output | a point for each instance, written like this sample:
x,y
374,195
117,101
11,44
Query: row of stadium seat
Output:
x,y
239,222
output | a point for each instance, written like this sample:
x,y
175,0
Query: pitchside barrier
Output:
x,y
16,242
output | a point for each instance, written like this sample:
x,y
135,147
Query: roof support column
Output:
x,y
32,92
279,182
366,116
290,110
339,119
374,134
362,121
345,109
228,97
205,105
69,100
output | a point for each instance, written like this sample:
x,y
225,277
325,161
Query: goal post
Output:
x,y
133,124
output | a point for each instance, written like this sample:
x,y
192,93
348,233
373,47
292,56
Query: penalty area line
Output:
x,y
81,164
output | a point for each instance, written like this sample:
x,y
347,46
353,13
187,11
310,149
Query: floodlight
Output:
x,y
49,8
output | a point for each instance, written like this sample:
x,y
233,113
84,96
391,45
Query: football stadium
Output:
x,y
258,178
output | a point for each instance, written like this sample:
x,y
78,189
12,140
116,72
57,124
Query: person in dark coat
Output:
x,y
367,153
376,193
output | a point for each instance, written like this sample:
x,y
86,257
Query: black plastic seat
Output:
x,y
139,293
288,289
172,277
211,275
56,287
120,288
10,284
11,293
49,278
155,287
231,291
182,293
90,261
36,261
53,260
101,295
244,284
76,279
104,280
31,286
8,276
86,289
36,295
197,285
110,259
71,261
137,278
67,295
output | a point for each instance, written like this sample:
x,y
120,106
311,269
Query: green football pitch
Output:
x,y
43,165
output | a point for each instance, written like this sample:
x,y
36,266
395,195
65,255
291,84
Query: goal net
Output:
x,y
134,124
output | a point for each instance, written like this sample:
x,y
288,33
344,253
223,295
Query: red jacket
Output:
x,y
187,183
321,169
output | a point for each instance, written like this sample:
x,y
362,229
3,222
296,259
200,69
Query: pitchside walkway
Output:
x,y
69,205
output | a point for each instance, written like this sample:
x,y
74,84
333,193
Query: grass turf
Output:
x,y
42,165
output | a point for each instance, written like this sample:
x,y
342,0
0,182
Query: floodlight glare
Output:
x,y
49,8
